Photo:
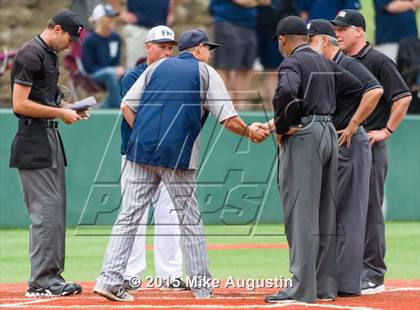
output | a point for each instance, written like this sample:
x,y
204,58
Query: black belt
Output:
x,y
46,122
316,118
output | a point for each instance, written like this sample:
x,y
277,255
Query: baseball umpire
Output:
x,y
160,41
173,98
354,158
37,151
385,119
303,104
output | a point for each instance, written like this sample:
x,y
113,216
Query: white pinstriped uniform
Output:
x,y
167,250
142,181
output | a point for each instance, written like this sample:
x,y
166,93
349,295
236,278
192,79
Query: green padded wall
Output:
x,y
237,180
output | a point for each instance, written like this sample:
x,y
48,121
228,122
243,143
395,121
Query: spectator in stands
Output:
x,y
268,52
395,20
235,24
325,9
140,16
101,53
83,8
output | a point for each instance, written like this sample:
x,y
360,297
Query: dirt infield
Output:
x,y
398,295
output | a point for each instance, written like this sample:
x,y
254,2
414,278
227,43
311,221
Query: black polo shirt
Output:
x,y
385,70
346,107
36,65
308,84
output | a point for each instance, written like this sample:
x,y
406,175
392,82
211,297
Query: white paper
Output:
x,y
84,104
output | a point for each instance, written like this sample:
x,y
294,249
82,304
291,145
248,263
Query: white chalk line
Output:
x,y
26,303
401,289
268,306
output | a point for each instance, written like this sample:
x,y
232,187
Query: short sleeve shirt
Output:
x,y
346,108
386,72
36,65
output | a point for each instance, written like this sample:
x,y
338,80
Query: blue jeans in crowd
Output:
x,y
108,77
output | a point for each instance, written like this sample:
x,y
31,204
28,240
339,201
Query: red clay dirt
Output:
x,y
398,295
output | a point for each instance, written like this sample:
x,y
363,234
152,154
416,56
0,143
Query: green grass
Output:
x,y
85,253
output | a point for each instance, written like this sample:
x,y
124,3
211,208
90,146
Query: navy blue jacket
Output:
x,y
168,116
129,78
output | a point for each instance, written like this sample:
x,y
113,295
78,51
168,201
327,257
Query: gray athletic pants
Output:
x,y
308,181
181,187
374,267
354,165
44,192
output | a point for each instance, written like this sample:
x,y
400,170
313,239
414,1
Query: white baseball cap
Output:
x,y
160,34
102,10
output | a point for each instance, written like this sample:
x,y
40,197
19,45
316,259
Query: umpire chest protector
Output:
x,y
168,119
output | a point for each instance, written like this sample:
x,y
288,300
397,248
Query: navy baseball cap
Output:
x,y
347,18
69,22
320,26
194,37
291,25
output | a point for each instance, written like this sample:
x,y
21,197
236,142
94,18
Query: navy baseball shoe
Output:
x,y
59,289
279,297
370,288
119,295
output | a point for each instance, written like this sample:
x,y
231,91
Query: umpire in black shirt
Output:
x,y
38,153
303,104
354,158
385,119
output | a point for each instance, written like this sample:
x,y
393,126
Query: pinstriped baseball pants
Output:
x,y
141,182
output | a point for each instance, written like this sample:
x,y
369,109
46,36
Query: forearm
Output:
x,y
246,3
264,2
398,112
33,109
128,114
173,6
237,125
368,103
399,6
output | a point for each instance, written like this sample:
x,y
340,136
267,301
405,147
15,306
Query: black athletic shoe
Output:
x,y
120,295
178,285
59,289
370,288
279,297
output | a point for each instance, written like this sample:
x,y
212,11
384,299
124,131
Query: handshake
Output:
x,y
258,132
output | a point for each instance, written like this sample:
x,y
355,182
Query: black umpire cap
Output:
x,y
320,26
346,18
69,22
291,25
194,37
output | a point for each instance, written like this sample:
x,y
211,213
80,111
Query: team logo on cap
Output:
x,y
166,33
309,26
342,14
